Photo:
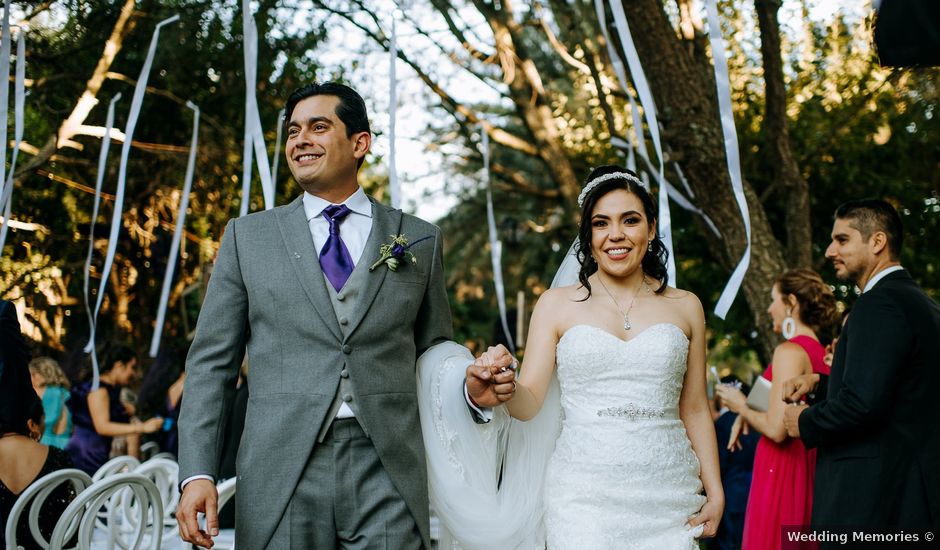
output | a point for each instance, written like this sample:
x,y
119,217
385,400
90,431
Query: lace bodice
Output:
x,y
603,375
623,474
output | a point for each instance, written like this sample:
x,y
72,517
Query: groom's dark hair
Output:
x,y
351,109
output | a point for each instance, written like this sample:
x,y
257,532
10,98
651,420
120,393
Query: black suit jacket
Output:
x,y
878,464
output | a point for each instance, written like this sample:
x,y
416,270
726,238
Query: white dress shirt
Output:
x,y
354,229
879,276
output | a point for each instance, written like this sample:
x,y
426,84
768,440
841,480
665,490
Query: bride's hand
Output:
x,y
708,517
491,378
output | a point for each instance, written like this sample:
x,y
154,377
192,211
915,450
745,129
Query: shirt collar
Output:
x,y
881,275
358,202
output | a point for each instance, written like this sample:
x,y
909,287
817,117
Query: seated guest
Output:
x,y
99,415
23,459
52,387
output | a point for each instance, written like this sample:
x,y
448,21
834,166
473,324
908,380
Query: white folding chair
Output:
x,y
149,449
164,454
142,505
165,475
118,464
35,496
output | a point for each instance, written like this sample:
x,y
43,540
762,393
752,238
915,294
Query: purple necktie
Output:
x,y
335,260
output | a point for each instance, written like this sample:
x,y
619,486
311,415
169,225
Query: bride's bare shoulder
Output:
x,y
684,301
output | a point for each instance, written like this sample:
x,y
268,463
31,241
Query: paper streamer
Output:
x,y
177,235
393,183
277,148
496,247
19,103
132,117
730,135
4,96
649,110
102,164
254,136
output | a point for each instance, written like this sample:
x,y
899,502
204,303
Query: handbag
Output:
x,y
759,396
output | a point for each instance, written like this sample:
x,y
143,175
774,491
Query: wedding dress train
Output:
x,y
606,464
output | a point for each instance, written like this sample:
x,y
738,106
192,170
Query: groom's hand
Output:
x,y
199,495
491,379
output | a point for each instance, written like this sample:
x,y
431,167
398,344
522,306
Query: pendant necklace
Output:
x,y
626,314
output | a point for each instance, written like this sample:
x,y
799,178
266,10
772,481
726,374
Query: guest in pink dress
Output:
x,y
803,309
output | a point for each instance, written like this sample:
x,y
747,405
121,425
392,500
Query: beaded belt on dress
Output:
x,y
633,411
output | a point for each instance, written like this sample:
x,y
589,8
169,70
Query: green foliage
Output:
x,y
198,59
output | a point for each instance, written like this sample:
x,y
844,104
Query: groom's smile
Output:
x,y
321,154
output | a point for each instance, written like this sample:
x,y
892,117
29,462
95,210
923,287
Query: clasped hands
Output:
x,y
491,379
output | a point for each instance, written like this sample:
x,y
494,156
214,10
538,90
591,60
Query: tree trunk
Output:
x,y
686,102
786,175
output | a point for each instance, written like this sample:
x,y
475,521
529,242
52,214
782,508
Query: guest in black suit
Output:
x,y
878,466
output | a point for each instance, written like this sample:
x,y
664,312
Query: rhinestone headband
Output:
x,y
601,179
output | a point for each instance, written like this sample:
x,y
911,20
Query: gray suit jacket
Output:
x,y
267,292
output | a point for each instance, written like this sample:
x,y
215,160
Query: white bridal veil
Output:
x,y
485,479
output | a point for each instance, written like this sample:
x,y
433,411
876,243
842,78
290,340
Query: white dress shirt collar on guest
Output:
x,y
879,276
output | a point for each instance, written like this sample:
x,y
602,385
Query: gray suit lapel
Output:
x,y
292,222
386,221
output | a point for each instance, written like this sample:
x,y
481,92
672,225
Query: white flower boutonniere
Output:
x,y
392,254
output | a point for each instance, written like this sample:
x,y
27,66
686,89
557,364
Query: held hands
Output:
x,y
491,379
795,388
709,517
199,495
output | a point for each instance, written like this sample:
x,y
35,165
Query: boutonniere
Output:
x,y
392,254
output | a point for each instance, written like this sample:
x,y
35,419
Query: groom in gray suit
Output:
x,y
334,295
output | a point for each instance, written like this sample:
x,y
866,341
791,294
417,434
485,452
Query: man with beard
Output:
x,y
878,465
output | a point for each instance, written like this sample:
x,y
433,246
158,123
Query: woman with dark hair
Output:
x,y
23,459
636,460
160,394
99,415
803,309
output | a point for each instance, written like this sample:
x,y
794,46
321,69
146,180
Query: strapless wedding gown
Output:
x,y
623,474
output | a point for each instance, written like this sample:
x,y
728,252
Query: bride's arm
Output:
x,y
539,362
695,414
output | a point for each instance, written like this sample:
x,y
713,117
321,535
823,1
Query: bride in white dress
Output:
x,y
636,445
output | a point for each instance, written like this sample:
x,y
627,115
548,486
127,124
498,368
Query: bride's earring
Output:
x,y
789,325
649,246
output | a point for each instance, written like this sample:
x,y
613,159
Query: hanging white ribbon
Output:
x,y
254,136
19,103
277,149
177,235
730,135
102,164
4,96
393,184
649,110
496,247
138,99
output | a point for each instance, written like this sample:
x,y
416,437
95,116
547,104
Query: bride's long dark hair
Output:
x,y
654,260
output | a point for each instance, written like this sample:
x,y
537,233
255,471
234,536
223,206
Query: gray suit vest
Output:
x,y
344,302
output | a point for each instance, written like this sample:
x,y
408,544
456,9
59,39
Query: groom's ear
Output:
x,y
362,142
